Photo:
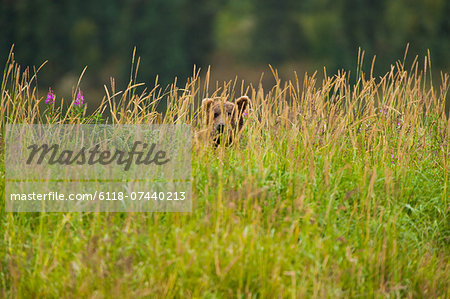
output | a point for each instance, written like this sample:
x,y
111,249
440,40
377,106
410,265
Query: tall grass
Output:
x,y
334,189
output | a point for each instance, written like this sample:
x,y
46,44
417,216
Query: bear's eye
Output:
x,y
216,114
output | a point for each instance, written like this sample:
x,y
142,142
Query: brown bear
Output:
x,y
223,118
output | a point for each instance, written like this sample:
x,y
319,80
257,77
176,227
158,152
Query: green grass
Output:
x,y
308,203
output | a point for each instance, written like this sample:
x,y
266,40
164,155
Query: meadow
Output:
x,y
336,187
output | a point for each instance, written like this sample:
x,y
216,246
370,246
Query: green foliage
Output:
x,y
330,32
171,36
346,198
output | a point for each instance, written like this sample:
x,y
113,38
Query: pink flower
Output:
x,y
50,97
80,98
394,159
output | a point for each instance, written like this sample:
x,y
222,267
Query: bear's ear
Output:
x,y
242,103
207,104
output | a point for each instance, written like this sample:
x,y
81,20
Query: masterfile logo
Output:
x,y
147,155
98,168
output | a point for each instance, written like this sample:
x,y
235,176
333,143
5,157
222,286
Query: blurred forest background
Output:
x,y
235,37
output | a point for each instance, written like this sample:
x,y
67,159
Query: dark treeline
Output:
x,y
173,35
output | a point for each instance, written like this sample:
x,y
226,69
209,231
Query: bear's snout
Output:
x,y
220,127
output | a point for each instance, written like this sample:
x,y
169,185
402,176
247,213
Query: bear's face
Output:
x,y
224,118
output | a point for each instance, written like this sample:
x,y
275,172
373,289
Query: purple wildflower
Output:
x,y
394,159
80,98
50,97
383,110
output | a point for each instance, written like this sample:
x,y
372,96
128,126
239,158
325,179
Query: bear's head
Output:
x,y
224,118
